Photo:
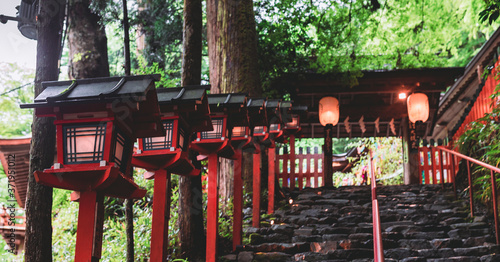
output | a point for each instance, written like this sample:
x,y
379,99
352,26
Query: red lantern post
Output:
x,y
215,143
183,111
97,121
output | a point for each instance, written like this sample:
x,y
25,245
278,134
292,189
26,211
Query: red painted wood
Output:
x,y
308,158
161,215
300,175
433,161
212,208
256,191
285,173
90,223
316,171
425,150
237,202
271,179
441,170
292,162
60,143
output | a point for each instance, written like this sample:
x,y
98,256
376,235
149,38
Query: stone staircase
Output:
x,y
419,223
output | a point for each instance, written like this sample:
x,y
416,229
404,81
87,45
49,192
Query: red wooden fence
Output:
x,y
302,169
435,166
483,102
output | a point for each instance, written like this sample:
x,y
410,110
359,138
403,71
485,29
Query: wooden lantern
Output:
x,y
258,120
97,122
215,143
418,107
183,111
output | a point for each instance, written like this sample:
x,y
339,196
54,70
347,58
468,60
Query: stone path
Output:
x,y
419,223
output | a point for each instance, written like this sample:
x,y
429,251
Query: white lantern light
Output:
x,y
328,111
418,107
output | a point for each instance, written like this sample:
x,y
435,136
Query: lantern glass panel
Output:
x,y
217,132
275,127
160,142
294,123
84,143
121,151
259,130
239,131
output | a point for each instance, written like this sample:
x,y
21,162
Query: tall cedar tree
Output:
x,y
87,42
190,201
38,242
233,65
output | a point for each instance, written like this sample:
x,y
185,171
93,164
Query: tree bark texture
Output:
x,y
87,42
233,64
232,47
191,228
38,241
150,45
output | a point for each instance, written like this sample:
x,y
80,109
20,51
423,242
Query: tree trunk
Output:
x,y
150,46
232,45
192,236
87,42
38,242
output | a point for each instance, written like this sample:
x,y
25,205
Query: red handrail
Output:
x,y
378,249
493,169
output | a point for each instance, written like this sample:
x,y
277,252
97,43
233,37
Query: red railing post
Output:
x,y
292,162
495,208
469,177
378,250
237,201
453,174
271,179
256,190
441,171
212,208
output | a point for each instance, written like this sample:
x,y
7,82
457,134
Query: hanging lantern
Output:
x,y
418,107
328,111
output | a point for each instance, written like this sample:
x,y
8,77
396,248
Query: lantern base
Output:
x,y
176,162
106,179
209,146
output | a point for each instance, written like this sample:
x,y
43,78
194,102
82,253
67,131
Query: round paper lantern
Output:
x,y
418,107
328,111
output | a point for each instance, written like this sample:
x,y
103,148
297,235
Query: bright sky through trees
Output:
x,y
14,47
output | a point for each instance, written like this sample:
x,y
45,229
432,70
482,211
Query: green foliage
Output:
x,y
481,141
16,87
491,11
166,79
387,159
346,37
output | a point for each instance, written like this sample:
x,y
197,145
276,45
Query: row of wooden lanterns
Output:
x,y
98,121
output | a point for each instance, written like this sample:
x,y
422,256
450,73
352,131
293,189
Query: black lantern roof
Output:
x,y
273,111
257,112
233,104
191,102
133,99
287,110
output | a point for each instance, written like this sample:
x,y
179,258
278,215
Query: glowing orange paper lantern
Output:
x,y
418,107
328,110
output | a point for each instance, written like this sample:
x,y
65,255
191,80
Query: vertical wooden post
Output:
x,y
212,208
161,215
238,201
433,161
285,174
441,169
271,179
90,223
327,157
256,190
316,168
292,162
300,157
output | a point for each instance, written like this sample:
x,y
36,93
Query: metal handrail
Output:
x,y
492,169
378,249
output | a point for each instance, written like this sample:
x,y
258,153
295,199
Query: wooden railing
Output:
x,y
493,187
304,168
